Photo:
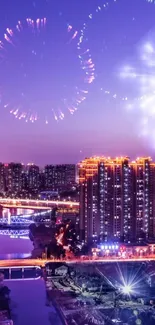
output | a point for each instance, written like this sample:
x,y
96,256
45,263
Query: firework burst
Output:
x,y
30,52
143,78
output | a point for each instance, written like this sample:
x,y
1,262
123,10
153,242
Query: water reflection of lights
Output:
x,y
21,237
15,220
22,233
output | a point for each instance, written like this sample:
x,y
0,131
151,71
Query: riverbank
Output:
x,y
51,298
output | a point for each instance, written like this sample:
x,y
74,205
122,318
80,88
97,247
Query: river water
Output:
x,y
28,297
29,303
12,247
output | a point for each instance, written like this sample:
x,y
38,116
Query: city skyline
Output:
x,y
15,178
132,159
100,119
112,157
77,162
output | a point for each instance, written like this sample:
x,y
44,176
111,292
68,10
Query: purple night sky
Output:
x,y
101,125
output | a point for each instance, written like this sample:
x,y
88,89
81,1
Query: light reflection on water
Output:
x,y
28,298
14,233
15,243
15,247
13,256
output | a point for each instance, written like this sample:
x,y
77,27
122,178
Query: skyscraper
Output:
x,y
13,172
88,185
33,177
2,178
59,177
143,171
116,199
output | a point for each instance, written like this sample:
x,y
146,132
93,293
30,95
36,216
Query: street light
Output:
x,y
127,289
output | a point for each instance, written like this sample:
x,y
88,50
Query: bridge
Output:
x,y
39,204
42,262
26,219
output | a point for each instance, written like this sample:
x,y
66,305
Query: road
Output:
x,y
42,262
32,204
22,263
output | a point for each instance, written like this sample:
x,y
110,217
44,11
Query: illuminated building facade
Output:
x,y
105,204
33,177
48,177
116,199
144,210
16,177
59,177
2,178
88,196
13,176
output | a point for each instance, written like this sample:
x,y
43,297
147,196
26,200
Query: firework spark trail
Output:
x,y
69,28
75,34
